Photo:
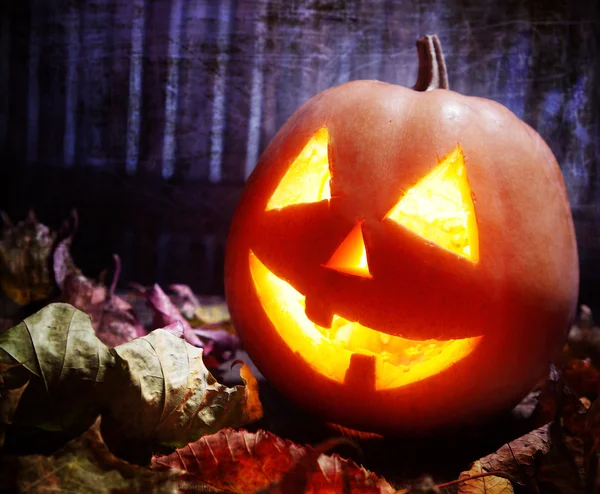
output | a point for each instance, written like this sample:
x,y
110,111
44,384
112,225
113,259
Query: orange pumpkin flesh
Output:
x,y
402,261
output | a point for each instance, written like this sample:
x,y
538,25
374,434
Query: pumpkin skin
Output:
x,y
515,301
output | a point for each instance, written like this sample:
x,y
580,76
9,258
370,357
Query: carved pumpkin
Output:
x,y
403,260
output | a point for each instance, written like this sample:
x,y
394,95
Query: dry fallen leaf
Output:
x,y
244,462
165,392
561,469
25,249
208,310
154,388
113,318
518,457
584,338
65,366
560,456
219,344
582,377
484,484
83,465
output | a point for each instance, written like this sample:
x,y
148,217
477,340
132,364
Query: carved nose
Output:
x,y
351,255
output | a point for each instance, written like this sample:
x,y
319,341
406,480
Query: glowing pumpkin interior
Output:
x,y
439,208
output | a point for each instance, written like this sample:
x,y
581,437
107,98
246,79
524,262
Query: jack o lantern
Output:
x,y
403,260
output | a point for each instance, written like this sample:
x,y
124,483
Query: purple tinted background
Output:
x,y
147,115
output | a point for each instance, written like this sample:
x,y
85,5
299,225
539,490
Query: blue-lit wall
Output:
x,y
193,90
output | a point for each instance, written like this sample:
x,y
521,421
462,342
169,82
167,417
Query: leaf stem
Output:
x,y
115,280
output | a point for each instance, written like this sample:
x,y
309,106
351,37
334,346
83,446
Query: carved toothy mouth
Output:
x,y
348,351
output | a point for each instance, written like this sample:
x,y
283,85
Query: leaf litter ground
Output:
x,y
110,416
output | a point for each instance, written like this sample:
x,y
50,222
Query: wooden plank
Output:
x,y
217,131
72,24
33,93
172,88
256,87
94,69
120,59
52,77
154,69
196,86
134,106
291,20
272,73
237,93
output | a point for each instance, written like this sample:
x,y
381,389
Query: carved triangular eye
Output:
x,y
351,256
439,208
307,179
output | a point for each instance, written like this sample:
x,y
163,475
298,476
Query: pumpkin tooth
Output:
x,y
317,312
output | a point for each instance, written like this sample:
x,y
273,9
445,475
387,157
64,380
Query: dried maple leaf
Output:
x,y
154,388
474,482
25,250
244,462
83,465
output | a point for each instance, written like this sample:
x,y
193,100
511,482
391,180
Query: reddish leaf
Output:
x,y
113,318
218,345
165,313
185,300
62,262
243,462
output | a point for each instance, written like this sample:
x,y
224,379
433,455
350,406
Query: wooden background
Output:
x,y
148,115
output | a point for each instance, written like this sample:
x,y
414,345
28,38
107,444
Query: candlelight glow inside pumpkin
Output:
x,y
439,208
308,178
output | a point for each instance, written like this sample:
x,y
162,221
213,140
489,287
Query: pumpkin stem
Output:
x,y
432,67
